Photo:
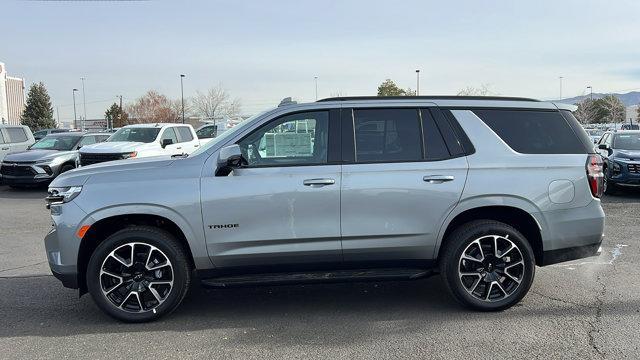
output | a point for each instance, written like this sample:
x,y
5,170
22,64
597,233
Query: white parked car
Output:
x,y
142,140
14,138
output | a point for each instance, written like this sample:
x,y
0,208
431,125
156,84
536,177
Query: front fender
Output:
x,y
195,237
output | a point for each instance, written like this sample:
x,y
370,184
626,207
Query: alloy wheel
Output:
x,y
136,277
491,268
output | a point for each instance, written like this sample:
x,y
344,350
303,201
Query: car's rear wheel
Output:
x,y
487,265
138,274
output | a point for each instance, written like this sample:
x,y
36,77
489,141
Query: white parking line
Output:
x,y
615,254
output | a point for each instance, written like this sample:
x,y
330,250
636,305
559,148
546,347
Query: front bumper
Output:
x,y
25,180
628,174
62,244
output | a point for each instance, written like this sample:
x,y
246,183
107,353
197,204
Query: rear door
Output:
x,y
188,139
399,181
18,138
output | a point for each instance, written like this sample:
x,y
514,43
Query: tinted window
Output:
x,y
16,134
387,135
434,146
87,140
207,132
62,143
145,135
1,138
533,132
101,138
626,141
185,134
169,133
578,129
297,139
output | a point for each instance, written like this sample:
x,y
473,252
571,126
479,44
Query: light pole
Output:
x,y
561,77
182,95
418,82
315,78
75,118
590,92
84,103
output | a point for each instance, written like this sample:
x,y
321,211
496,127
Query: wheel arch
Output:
x,y
109,221
516,212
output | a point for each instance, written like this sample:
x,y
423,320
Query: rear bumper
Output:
x,y
561,255
572,233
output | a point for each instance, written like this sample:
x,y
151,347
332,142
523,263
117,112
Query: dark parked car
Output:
x,y
46,159
44,132
621,153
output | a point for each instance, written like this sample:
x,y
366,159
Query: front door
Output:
x,y
401,183
283,208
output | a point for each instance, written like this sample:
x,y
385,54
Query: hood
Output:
x,y
627,154
80,175
111,147
35,155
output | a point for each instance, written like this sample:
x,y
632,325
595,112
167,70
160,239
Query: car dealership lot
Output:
x,y
588,308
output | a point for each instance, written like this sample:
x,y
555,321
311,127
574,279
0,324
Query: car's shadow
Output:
x,y
623,195
7,192
328,313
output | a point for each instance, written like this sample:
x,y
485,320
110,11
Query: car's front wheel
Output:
x,y
138,274
487,265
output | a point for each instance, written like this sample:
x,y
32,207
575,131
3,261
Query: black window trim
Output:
x,y
349,143
333,155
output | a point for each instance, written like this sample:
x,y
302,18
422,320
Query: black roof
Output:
x,y
429,97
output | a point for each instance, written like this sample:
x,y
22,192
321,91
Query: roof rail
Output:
x,y
435,97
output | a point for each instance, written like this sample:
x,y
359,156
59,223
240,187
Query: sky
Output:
x,y
263,51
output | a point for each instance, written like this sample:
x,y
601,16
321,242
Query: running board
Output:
x,y
317,277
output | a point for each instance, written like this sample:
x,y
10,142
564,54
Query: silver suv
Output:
x,y
480,190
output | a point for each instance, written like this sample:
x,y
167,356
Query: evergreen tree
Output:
x,y
389,88
38,114
116,117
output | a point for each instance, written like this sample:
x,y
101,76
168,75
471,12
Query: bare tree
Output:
x,y
232,109
614,108
587,112
213,102
483,90
152,107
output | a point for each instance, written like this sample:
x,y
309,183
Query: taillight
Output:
x,y
594,174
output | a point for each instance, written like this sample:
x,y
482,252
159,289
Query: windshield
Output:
x,y
626,141
62,143
227,134
135,134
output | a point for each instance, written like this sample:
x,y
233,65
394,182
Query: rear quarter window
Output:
x,y
533,131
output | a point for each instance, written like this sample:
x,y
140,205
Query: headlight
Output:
x,y
60,195
616,167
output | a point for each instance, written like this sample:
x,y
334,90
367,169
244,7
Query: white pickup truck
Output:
x,y
142,140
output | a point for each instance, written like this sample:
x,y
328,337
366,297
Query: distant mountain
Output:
x,y
628,99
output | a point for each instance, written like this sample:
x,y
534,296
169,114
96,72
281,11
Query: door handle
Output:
x,y
318,182
179,147
438,179
5,148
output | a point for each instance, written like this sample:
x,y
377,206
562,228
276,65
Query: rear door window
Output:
x,y
185,134
387,135
16,134
533,131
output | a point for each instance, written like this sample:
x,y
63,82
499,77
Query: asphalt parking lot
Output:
x,y
587,309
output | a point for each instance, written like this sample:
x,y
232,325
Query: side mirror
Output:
x,y
79,146
166,142
229,158
603,147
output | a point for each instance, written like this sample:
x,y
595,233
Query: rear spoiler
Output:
x,y
563,106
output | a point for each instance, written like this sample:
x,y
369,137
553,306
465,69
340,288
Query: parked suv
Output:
x,y
47,158
14,138
480,190
142,140
620,150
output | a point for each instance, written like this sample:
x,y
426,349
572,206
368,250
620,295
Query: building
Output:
x,y
11,97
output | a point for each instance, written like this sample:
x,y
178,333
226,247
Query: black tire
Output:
x,y
169,249
609,187
66,168
465,238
